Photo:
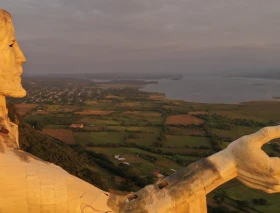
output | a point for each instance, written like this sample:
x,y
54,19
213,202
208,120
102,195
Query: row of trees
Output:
x,y
155,150
226,123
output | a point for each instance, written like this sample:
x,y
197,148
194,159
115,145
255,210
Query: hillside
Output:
x,y
92,167
51,150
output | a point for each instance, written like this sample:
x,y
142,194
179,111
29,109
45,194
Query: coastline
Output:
x,y
217,90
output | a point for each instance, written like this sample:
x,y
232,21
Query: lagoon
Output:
x,y
217,89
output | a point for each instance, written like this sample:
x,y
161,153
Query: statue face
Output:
x,y
11,59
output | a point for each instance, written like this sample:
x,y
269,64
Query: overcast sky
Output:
x,y
147,35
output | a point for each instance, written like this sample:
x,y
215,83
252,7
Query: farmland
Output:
x,y
64,135
23,109
183,120
150,132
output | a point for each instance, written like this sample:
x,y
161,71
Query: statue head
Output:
x,y
11,59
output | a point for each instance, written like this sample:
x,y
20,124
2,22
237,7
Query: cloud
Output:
x,y
125,34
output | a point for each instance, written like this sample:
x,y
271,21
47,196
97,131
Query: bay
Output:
x,y
217,89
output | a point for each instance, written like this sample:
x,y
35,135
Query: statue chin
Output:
x,y
18,94
15,93
11,86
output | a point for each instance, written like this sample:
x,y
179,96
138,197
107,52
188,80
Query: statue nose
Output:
x,y
20,58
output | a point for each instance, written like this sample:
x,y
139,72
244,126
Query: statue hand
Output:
x,y
254,167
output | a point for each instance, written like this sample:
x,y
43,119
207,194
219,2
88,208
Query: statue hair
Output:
x,y
5,17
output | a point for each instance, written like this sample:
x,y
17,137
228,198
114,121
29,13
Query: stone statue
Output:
x,y
30,185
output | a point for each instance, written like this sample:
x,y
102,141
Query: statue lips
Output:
x,y
20,71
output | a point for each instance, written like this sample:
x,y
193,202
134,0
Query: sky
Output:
x,y
176,36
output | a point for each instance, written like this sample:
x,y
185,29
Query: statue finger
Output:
x,y
274,166
274,180
256,186
275,187
264,135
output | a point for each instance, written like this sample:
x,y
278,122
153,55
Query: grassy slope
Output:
x,y
52,150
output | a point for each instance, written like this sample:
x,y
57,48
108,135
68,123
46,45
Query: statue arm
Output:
x,y
182,192
185,191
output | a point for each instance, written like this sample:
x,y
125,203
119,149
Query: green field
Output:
x,y
35,117
235,132
138,120
237,191
186,131
163,164
93,120
99,137
182,141
144,139
57,126
138,129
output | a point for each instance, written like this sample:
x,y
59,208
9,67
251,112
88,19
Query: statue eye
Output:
x,y
12,44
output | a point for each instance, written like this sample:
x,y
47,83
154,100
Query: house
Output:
x,y
119,158
76,126
126,163
157,174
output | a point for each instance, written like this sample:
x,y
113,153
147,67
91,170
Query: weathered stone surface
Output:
x,y
30,185
10,60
